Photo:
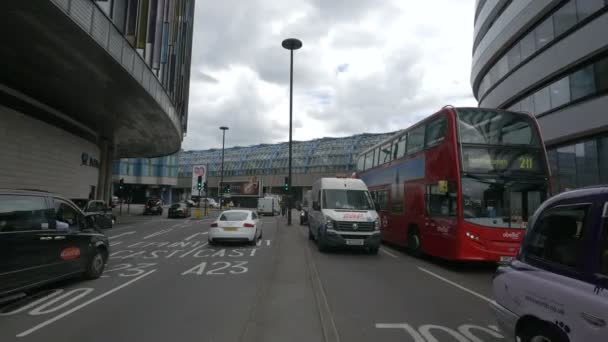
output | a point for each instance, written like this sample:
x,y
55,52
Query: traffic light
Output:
x,y
226,189
286,185
121,184
199,183
205,186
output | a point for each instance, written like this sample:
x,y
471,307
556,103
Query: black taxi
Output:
x,y
45,237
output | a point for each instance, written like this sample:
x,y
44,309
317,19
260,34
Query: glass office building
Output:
x,y
549,58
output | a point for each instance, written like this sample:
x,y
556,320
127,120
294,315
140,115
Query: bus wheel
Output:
x,y
414,244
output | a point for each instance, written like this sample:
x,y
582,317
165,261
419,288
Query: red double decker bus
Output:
x,y
459,185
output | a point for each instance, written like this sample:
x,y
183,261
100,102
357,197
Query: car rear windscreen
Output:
x,y
234,216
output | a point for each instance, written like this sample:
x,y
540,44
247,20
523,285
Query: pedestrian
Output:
x,y
283,208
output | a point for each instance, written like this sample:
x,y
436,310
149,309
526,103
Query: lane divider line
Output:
x,y
76,308
161,232
115,243
119,235
383,250
478,295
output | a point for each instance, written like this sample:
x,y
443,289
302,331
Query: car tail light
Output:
x,y
248,225
214,225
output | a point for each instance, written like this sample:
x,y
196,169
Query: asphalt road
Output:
x,y
165,283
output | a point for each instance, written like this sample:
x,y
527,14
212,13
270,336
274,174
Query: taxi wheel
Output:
x,y
95,265
543,332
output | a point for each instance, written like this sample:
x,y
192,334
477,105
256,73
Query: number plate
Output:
x,y
506,258
354,242
230,229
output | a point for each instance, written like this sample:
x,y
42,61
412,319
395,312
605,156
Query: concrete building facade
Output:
x,y
549,58
86,82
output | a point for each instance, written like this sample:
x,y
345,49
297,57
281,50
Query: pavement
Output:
x,y
165,283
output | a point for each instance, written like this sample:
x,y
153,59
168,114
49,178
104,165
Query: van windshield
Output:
x,y
347,199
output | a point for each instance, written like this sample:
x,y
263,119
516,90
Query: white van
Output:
x,y
342,213
269,206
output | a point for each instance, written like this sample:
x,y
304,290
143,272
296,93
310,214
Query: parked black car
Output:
x,y
104,218
179,210
154,206
44,238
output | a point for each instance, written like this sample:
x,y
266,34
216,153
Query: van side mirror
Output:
x,y
316,206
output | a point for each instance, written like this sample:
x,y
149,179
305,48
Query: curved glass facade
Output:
x,y
324,155
563,50
542,35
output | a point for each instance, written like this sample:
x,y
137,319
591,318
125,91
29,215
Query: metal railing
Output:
x,y
101,28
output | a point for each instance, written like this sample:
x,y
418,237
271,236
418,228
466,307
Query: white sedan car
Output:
x,y
236,225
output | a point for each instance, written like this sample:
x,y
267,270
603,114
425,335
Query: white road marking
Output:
x,y
161,232
76,308
192,251
195,235
383,250
480,296
267,242
413,333
115,243
123,234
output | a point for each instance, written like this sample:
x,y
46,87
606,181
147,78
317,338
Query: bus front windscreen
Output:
x,y
347,199
499,202
493,127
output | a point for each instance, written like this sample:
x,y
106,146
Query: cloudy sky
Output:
x,y
365,66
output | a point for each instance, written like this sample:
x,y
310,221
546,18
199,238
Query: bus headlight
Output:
x,y
329,223
472,236
377,224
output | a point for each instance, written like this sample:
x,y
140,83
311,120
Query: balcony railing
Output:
x,y
93,21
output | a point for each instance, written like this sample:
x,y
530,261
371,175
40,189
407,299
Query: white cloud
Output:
x,y
365,66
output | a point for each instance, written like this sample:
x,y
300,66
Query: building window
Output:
x,y
514,56
560,92
582,83
542,101
544,33
602,150
564,18
502,67
528,45
601,75
586,8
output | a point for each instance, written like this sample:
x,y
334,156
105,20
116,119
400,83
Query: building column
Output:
x,y
109,180
104,182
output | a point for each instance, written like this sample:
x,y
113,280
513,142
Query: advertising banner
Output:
x,y
246,188
198,170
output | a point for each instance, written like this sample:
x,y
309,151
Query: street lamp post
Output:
x,y
290,44
219,188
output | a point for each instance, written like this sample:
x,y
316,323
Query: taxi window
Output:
x,y
558,236
21,213
66,214
604,250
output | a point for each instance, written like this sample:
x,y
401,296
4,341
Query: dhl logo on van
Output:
x,y
70,253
